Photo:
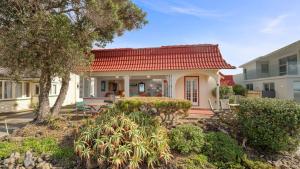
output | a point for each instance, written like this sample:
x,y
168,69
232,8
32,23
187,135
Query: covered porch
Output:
x,y
193,85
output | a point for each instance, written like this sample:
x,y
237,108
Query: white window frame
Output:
x,y
54,89
14,91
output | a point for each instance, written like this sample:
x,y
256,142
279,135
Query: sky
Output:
x,y
244,29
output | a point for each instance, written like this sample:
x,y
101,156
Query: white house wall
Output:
x,y
21,104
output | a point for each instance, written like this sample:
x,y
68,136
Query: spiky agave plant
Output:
x,y
119,141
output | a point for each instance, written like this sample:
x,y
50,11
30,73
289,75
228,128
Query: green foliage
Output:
x,y
270,124
38,146
194,162
50,39
250,164
239,90
117,140
186,139
221,149
6,148
168,109
225,91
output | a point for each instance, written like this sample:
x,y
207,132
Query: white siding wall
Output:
x,y
21,104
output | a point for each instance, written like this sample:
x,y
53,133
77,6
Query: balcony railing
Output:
x,y
274,70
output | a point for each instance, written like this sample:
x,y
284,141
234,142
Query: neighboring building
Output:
x,y
23,94
227,80
185,72
276,74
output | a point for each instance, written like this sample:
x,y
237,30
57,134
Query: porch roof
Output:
x,y
180,57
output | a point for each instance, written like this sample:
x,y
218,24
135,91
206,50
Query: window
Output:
x,y
249,86
7,90
264,68
141,87
18,90
296,85
288,66
269,87
103,86
245,74
54,89
37,90
1,90
27,89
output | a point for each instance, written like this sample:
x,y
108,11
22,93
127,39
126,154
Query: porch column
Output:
x,y
126,85
173,84
218,90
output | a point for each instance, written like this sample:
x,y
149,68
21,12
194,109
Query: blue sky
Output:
x,y
244,29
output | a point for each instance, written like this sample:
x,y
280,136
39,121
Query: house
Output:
x,y
275,74
23,94
227,80
184,72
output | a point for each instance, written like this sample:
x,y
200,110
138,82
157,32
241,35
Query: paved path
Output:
x,y
14,121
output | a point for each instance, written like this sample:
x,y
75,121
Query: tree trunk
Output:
x,y
45,86
62,95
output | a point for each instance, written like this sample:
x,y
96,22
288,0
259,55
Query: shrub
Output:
x,y
221,148
239,90
6,148
186,139
166,108
225,91
194,162
117,140
270,124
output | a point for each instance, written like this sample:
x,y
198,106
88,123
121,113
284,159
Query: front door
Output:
x,y
191,90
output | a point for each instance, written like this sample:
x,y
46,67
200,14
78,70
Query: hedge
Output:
x,y
168,109
270,124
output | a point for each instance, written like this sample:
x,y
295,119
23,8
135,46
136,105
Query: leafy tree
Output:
x,y
54,37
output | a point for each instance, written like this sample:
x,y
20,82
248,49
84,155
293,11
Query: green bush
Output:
x,y
194,162
220,148
225,92
186,139
117,140
6,148
166,108
239,90
270,124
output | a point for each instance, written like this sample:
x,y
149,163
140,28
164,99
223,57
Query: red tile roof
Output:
x,y
227,80
181,57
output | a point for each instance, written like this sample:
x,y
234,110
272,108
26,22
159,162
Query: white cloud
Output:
x,y
194,11
274,25
180,7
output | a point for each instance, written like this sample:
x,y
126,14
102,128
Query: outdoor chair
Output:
x,y
81,106
224,103
216,111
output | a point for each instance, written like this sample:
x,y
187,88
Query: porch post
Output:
x,y
126,85
173,84
218,90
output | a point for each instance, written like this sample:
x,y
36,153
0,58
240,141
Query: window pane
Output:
x,y
272,87
27,89
81,88
266,87
264,68
18,91
297,91
282,70
0,90
7,90
54,89
37,89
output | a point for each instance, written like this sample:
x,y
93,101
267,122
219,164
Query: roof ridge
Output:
x,y
160,47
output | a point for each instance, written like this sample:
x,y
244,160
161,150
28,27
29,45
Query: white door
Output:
x,y
191,90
